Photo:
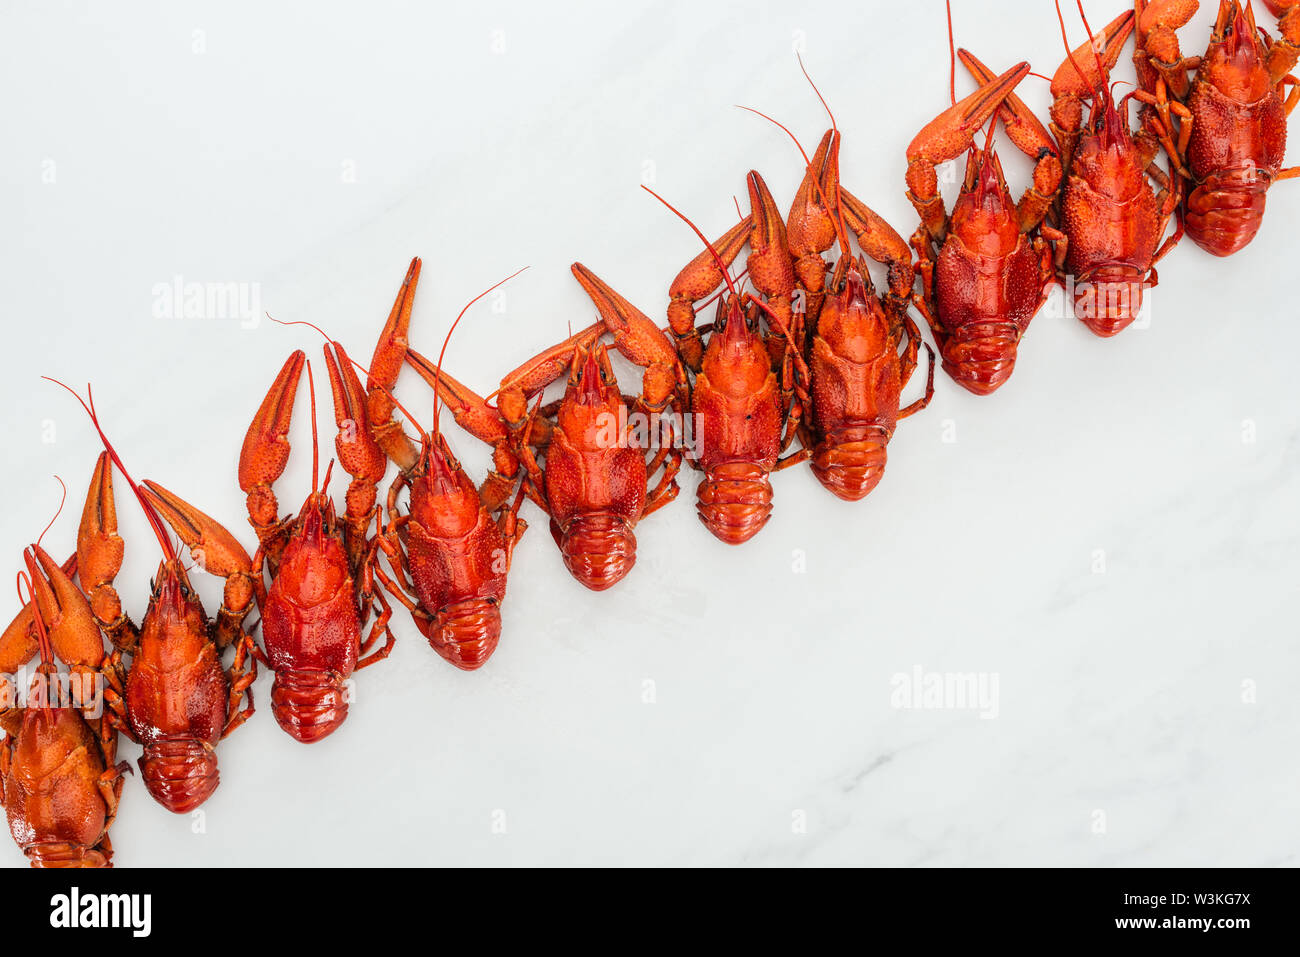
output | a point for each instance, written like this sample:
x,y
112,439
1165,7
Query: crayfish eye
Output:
x,y
185,591
603,376
153,589
721,323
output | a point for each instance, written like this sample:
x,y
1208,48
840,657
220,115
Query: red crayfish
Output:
x,y
749,388
175,698
59,783
1229,118
450,553
320,566
1111,218
862,346
599,450
986,268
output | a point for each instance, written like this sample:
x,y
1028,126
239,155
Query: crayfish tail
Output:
x,y
1110,300
980,356
466,632
599,548
851,462
180,774
1225,212
67,855
735,501
308,705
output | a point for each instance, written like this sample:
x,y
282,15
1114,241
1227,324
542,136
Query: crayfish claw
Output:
x,y
74,632
211,545
99,548
470,410
1095,60
1024,129
636,338
265,452
952,132
359,453
385,366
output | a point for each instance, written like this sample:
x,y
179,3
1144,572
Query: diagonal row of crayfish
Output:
x,y
808,367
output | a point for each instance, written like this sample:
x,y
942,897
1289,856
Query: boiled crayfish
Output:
x,y
750,383
586,460
451,552
1225,128
987,266
59,782
174,698
862,346
320,567
1111,219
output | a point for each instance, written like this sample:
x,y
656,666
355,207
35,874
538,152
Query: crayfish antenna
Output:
x,y
42,634
447,340
358,366
952,54
717,257
57,512
24,578
834,155
315,444
155,521
1065,38
841,233
1092,40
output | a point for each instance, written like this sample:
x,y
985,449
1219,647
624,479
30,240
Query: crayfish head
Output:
x,y
984,214
855,288
173,601
444,500
1235,65
853,317
592,394
735,325
316,518
591,375
439,473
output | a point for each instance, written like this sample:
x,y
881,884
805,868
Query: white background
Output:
x,y
487,137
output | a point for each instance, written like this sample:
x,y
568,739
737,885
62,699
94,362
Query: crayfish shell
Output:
x,y
180,774
981,355
69,855
466,632
851,462
1110,300
307,704
599,548
735,501
1225,212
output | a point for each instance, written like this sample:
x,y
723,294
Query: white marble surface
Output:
x,y
313,153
